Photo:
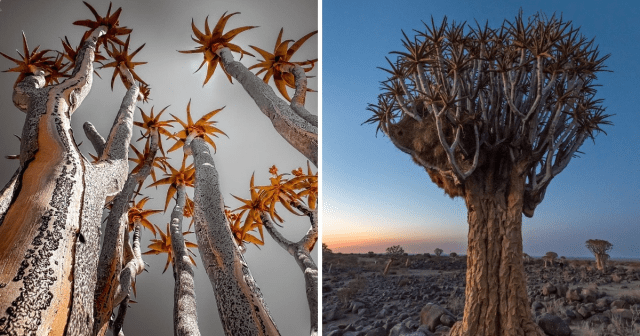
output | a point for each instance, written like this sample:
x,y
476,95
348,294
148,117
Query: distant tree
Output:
x,y
599,248
453,254
326,249
549,258
395,251
371,254
438,252
493,115
428,255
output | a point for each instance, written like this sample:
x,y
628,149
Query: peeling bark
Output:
x,y
240,302
298,132
185,315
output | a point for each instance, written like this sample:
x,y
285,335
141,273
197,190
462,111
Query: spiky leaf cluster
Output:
x,y
215,38
272,63
460,97
163,245
282,190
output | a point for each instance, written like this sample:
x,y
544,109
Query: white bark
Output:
x,y
110,268
240,302
301,252
185,315
298,132
56,208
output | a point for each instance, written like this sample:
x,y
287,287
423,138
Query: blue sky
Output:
x,y
374,196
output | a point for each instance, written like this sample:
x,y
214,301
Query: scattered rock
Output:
x,y
554,325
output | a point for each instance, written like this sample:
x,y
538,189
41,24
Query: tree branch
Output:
x,y
185,315
94,137
297,102
298,132
300,252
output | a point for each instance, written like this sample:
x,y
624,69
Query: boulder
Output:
x,y
399,329
376,332
574,294
619,304
430,315
447,320
355,306
599,319
553,325
548,289
561,290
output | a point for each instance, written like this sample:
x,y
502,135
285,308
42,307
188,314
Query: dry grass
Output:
x,y
455,304
348,292
618,327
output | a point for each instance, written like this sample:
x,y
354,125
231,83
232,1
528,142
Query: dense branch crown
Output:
x,y
460,97
599,246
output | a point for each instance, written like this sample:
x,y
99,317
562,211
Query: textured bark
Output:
x,y
185,315
109,268
51,228
298,132
496,288
240,302
301,252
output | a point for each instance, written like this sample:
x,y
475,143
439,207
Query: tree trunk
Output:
x,y
185,315
600,262
50,230
239,300
496,302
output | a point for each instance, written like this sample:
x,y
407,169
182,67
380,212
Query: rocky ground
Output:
x,y
426,296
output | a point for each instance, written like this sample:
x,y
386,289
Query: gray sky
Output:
x,y
253,145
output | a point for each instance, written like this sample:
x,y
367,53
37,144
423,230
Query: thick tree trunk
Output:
x,y
185,315
240,302
601,262
50,230
496,302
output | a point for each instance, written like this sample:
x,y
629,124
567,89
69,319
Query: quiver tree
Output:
x,y
395,251
599,248
493,115
549,258
237,294
438,252
52,208
291,120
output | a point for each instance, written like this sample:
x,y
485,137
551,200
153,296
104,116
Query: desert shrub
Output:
x,y
453,254
455,303
428,255
403,282
371,254
631,297
348,292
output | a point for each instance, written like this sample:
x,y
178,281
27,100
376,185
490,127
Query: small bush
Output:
x,y
348,292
